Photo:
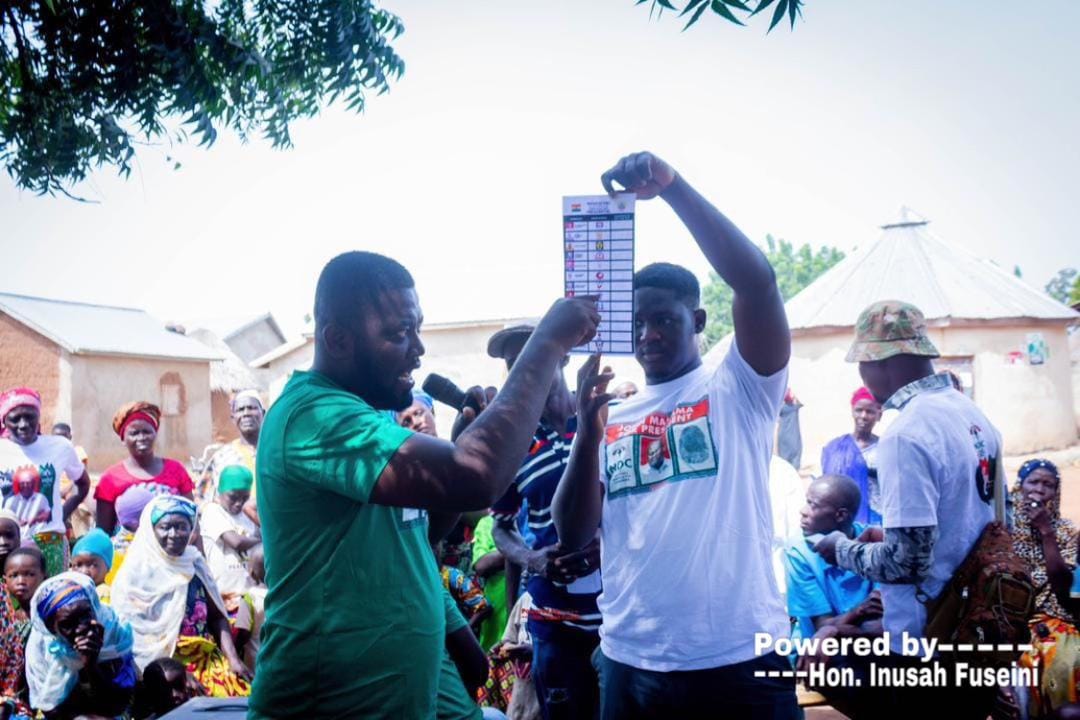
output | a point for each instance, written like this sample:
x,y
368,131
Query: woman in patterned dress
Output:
x,y
165,591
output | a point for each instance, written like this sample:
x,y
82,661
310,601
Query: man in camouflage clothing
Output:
x,y
936,465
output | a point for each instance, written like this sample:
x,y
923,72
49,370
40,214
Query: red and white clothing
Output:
x,y
47,458
687,526
173,480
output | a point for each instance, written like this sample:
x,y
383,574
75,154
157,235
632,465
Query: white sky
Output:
x,y
966,111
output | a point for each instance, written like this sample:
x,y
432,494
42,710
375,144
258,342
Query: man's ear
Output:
x,y
699,321
843,515
337,340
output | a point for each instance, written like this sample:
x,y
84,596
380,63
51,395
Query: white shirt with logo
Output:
x,y
49,456
227,566
687,524
935,464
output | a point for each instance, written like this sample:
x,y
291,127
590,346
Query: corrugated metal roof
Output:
x,y
908,262
83,328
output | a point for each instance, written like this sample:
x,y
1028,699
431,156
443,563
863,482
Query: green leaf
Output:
x,y
761,6
52,8
690,6
778,15
694,18
793,9
667,4
722,10
738,4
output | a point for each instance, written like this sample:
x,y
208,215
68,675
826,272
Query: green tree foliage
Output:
x,y
1074,294
83,82
731,10
795,269
1061,284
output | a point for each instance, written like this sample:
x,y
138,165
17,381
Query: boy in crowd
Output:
x,y
92,556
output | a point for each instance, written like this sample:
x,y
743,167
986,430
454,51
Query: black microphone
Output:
x,y
445,391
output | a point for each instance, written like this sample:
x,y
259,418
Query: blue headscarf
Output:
x,y
95,542
424,399
172,505
52,665
57,595
1037,464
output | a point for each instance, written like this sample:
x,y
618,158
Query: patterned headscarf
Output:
x,y
138,410
1026,546
172,505
17,397
56,596
52,665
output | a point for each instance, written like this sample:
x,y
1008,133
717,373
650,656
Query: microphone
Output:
x,y
445,391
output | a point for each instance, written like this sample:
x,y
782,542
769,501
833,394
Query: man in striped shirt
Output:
x,y
564,618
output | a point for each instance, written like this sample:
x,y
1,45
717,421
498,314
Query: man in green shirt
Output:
x,y
354,615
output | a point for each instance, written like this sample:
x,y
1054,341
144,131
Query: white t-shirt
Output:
x,y
26,509
50,456
788,494
935,463
687,527
226,565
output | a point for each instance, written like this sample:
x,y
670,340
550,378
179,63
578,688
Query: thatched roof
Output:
x,y
231,374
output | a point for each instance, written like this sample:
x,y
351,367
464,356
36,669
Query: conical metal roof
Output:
x,y
908,262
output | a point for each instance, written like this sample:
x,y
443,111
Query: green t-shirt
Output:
x,y
492,629
453,700
355,620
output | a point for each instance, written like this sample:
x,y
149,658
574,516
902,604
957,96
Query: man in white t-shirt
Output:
x,y
679,473
936,466
50,456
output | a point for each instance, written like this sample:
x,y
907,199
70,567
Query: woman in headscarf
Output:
x,y
1048,542
855,455
165,591
136,424
78,658
41,459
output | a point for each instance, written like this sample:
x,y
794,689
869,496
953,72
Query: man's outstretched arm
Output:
x,y
761,329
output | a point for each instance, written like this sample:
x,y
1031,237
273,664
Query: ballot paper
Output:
x,y
598,260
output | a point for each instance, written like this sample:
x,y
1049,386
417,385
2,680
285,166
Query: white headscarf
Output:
x,y
150,589
52,665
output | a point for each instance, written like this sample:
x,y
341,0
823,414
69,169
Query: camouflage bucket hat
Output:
x,y
888,328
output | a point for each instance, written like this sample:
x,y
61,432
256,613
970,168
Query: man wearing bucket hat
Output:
x,y
936,466
563,583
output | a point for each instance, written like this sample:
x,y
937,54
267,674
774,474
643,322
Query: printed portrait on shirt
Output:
x,y
655,460
660,448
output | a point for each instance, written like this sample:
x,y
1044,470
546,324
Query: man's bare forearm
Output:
x,y
511,544
739,262
578,501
